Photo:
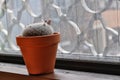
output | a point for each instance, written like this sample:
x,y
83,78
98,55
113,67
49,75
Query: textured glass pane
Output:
x,y
89,29
110,17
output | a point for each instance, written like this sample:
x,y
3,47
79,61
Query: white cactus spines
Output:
x,y
38,29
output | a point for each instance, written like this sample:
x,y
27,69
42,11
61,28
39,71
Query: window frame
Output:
x,y
77,65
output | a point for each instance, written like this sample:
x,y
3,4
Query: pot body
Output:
x,y
39,52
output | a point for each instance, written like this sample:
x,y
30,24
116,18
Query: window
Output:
x,y
89,28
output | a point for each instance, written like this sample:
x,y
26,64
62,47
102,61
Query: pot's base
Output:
x,y
40,74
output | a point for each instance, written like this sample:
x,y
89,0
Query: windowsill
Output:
x,y
14,71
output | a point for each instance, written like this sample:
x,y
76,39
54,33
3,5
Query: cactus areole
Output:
x,y
38,29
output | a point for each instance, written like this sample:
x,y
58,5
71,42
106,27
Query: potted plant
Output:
x,y
38,44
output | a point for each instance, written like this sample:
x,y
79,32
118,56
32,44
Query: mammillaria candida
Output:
x,y
38,29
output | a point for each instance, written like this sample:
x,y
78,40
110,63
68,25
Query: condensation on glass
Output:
x,y
89,28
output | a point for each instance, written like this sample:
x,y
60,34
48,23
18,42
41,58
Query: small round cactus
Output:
x,y
38,29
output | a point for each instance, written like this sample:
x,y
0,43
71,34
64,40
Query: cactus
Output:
x,y
38,29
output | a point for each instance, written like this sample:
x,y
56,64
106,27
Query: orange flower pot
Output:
x,y
39,52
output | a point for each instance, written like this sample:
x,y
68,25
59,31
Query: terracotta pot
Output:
x,y
39,52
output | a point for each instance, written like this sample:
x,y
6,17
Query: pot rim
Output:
x,y
54,34
38,40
